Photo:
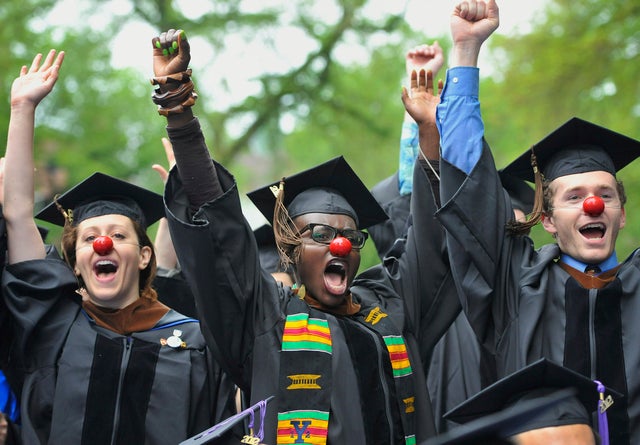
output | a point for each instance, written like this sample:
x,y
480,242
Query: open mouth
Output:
x,y
105,267
593,230
335,278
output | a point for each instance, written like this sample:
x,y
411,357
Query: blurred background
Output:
x,y
287,84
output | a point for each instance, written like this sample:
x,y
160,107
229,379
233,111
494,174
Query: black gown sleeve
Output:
x,y
417,268
235,298
475,210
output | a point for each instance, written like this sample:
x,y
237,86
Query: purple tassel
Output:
x,y
263,413
603,424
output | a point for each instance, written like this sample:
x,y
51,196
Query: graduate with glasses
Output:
x,y
337,349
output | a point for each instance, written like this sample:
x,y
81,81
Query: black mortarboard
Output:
x,y
496,428
522,194
269,256
101,194
43,232
264,236
577,146
332,187
535,378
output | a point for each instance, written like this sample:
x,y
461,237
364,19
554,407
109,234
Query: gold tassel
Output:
x,y
538,200
533,218
68,214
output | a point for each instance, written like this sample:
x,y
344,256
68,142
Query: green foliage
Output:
x,y
317,103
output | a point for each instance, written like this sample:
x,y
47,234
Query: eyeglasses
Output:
x,y
324,234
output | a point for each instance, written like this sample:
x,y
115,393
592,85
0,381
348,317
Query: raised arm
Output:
x,y
470,182
421,105
165,252
213,242
33,85
423,57
430,59
472,22
175,96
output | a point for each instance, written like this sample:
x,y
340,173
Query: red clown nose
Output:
x,y
340,246
102,245
593,205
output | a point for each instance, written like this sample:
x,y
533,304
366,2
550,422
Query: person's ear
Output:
x,y
548,224
145,257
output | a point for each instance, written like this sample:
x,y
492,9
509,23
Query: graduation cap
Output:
x,y
332,187
264,236
538,377
43,232
496,428
577,146
215,433
522,194
101,194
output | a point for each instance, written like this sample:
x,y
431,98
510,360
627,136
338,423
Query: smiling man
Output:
x,y
571,301
581,200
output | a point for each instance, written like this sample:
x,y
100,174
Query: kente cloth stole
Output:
x,y
305,374
375,319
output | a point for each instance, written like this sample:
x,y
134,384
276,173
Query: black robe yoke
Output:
x,y
242,308
523,305
84,384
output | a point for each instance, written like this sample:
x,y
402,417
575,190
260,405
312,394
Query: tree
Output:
x,y
575,62
101,118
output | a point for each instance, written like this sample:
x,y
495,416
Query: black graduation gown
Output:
x,y
242,308
397,206
13,380
174,291
457,367
524,306
84,384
